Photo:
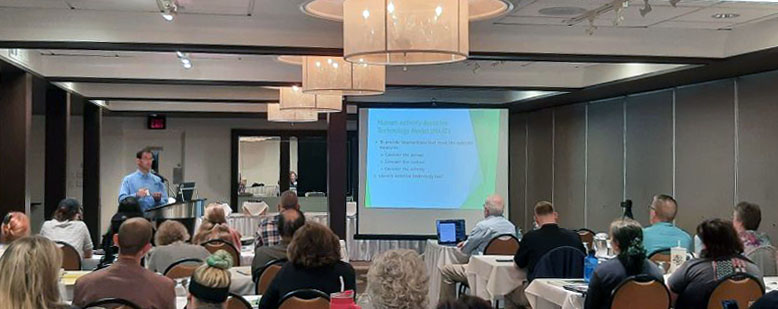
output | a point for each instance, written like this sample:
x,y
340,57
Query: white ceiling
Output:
x,y
689,14
688,30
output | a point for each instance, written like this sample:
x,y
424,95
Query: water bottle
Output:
x,y
590,263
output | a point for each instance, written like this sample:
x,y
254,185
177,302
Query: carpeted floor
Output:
x,y
361,267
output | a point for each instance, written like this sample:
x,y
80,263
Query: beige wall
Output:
x,y
710,145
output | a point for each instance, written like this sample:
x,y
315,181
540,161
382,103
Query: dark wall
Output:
x,y
709,145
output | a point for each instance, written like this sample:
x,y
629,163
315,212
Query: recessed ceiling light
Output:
x,y
562,11
725,15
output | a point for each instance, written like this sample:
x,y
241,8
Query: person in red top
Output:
x,y
126,278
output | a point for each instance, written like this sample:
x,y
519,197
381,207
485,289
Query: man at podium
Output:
x,y
148,188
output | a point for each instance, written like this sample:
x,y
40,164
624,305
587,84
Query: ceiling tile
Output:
x,y
692,25
115,5
221,7
746,14
632,17
34,4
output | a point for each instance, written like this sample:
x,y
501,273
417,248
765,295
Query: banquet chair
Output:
x,y
764,257
71,260
743,288
563,262
236,301
586,236
505,244
214,245
182,268
266,275
661,256
641,292
305,298
112,303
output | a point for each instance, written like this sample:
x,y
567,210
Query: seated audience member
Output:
x,y
214,221
396,279
627,242
721,256
126,279
290,221
663,234
465,302
128,208
171,247
15,225
267,234
768,301
66,226
547,237
209,286
314,263
493,225
746,219
30,274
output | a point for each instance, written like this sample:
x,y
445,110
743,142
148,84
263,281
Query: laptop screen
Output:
x,y
451,231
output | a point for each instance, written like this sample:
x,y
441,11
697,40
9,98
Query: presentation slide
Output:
x,y
420,165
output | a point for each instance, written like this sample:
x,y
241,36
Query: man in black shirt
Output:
x,y
549,236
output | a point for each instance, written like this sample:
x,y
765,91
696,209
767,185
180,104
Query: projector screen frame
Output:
x,y
359,192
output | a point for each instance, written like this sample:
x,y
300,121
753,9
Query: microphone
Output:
x,y
158,175
627,209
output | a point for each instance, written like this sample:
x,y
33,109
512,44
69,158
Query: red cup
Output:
x,y
343,300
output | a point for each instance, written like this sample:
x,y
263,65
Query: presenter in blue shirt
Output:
x,y
144,185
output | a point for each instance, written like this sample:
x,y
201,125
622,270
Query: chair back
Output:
x,y
305,298
267,274
112,303
505,244
661,256
641,292
562,262
182,268
586,236
214,245
237,302
764,257
71,260
743,288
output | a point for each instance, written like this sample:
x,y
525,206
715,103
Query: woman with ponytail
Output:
x,y
209,286
627,242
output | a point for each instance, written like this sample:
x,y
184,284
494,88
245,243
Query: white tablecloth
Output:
x,y
493,276
550,294
357,249
435,257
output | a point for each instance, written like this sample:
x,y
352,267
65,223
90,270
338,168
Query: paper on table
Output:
x,y
70,277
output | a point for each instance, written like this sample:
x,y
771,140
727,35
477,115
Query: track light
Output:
x,y
184,58
168,9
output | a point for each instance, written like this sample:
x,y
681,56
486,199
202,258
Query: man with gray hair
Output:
x,y
493,225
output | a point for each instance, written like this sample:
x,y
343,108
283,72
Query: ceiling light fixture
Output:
x,y
168,9
293,98
405,32
275,114
478,9
336,76
184,58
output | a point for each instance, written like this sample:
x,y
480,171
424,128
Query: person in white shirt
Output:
x,y
66,226
493,225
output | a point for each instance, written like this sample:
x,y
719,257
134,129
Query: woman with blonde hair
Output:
x,y
171,240
397,279
15,225
30,277
209,286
